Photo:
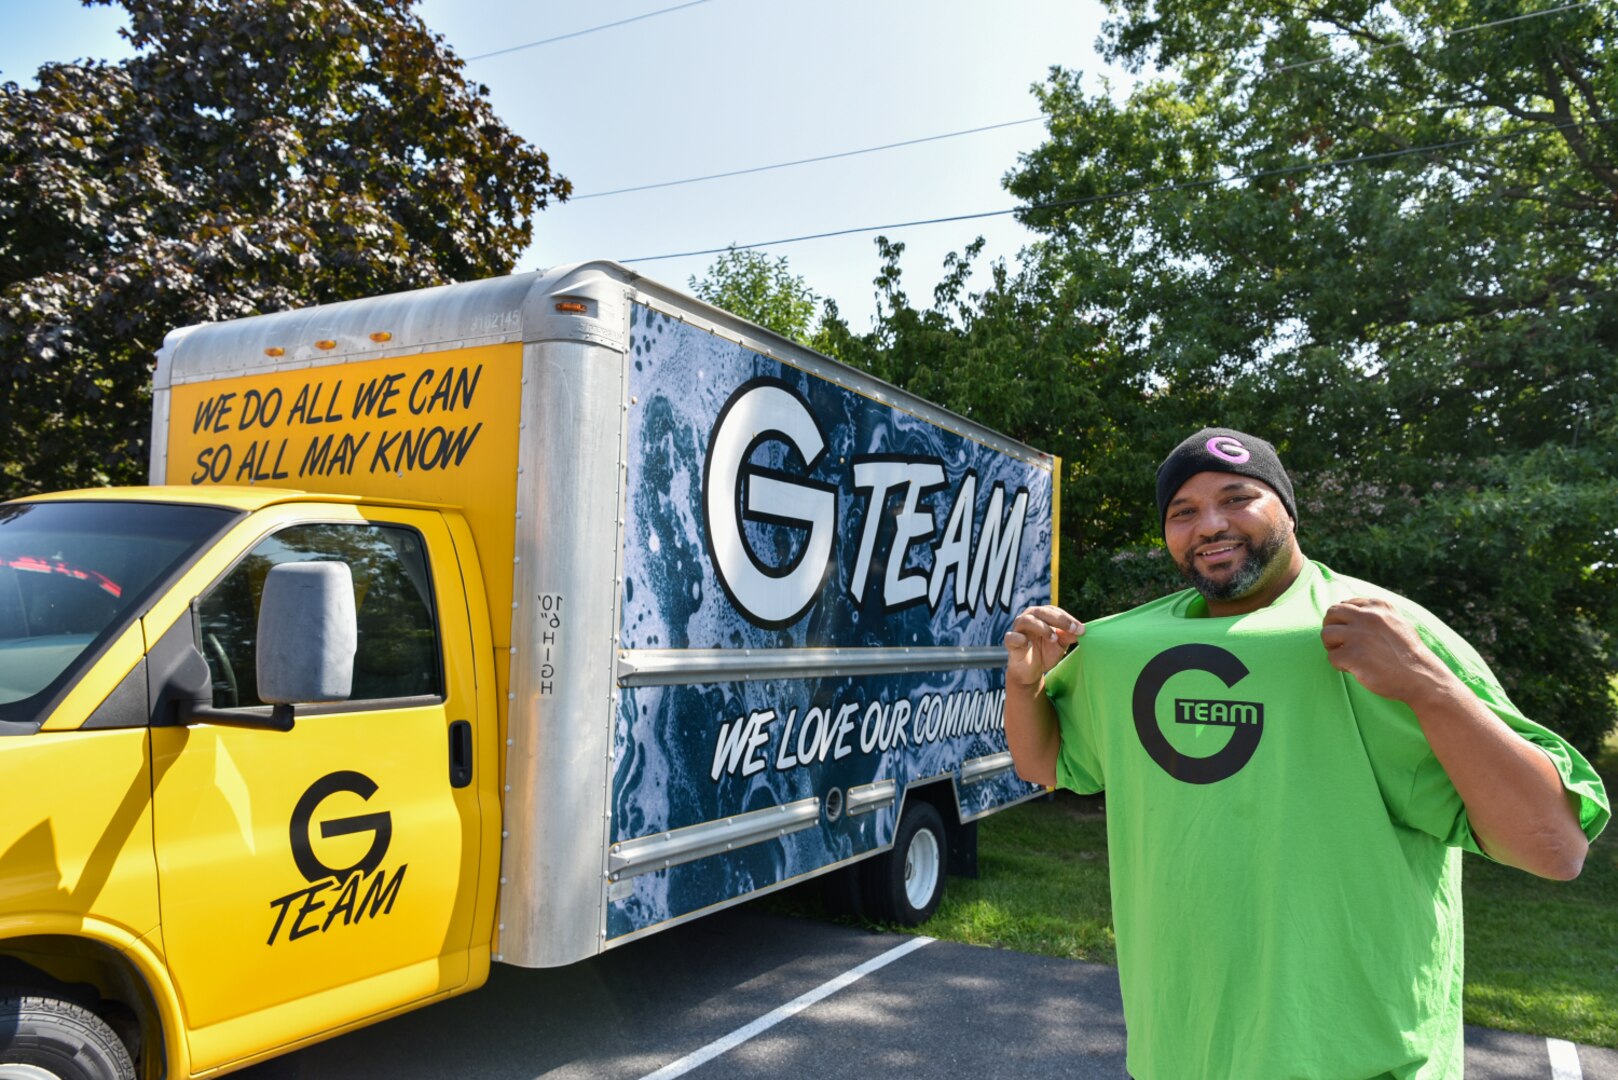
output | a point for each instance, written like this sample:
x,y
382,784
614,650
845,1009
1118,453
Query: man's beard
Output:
x,y
1247,576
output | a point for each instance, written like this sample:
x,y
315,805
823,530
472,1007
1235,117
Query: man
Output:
x,y
1293,762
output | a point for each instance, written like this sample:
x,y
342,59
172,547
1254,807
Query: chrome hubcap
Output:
x,y
16,1070
922,865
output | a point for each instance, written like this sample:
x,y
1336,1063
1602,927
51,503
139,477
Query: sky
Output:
x,y
721,85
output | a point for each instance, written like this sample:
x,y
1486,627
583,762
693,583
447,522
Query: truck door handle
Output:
x,y
460,753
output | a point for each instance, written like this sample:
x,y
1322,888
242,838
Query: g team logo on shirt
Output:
x,y
1244,718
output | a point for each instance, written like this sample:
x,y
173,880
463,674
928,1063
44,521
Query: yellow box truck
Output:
x,y
505,621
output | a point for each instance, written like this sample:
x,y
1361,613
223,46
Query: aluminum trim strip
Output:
x,y
557,806
506,309
987,810
979,769
732,901
659,851
666,667
873,796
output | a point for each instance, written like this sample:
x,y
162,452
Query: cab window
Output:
x,y
397,655
73,575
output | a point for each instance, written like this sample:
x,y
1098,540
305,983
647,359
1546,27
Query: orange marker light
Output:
x,y
572,307
380,336
327,344
275,350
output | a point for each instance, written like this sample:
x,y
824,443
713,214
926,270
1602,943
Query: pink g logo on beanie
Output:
x,y
1227,448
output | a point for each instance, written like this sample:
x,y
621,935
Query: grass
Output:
x,y
1541,956
1041,885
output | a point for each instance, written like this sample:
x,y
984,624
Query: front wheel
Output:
x,y
42,1038
906,884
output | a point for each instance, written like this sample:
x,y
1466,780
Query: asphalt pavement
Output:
x,y
748,993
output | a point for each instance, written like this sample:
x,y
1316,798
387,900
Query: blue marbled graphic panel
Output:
x,y
681,379
685,755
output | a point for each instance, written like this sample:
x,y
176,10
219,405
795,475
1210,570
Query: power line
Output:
x,y
1447,33
587,30
803,161
987,127
1159,189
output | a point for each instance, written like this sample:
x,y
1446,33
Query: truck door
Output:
x,y
324,875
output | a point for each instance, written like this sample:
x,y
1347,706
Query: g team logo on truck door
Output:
x,y
349,907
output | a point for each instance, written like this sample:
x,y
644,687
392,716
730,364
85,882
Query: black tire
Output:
x,y
906,884
42,1038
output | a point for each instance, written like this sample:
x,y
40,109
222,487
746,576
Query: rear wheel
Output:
x,y
43,1038
906,884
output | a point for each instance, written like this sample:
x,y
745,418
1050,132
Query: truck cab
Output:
x,y
167,809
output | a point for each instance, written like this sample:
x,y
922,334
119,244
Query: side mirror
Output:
x,y
307,633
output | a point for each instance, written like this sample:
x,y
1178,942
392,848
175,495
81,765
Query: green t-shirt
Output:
x,y
1284,847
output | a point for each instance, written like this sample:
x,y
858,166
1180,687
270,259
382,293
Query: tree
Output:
x,y
254,155
1384,237
746,282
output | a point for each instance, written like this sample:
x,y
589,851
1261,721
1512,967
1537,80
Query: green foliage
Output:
x,y
1428,332
254,155
1505,558
746,282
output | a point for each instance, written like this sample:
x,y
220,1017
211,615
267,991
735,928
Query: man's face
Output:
x,y
1228,534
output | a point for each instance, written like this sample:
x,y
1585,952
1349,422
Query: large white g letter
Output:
x,y
765,410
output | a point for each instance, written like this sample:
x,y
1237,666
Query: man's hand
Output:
x,y
1038,638
1372,642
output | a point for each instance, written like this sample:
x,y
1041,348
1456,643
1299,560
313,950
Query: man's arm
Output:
x,y
1518,809
1037,640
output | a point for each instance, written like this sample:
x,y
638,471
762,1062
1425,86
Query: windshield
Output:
x,y
72,576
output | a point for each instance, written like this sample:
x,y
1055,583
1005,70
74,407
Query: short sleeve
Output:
x,y
1415,787
1078,765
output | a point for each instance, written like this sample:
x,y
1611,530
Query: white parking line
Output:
x,y
792,1008
1564,1060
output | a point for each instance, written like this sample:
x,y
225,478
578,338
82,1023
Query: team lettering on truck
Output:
x,y
768,409
348,907
509,621
834,733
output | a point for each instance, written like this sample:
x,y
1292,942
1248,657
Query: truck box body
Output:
x,y
754,594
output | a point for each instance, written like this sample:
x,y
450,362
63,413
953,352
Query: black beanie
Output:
x,y
1218,449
